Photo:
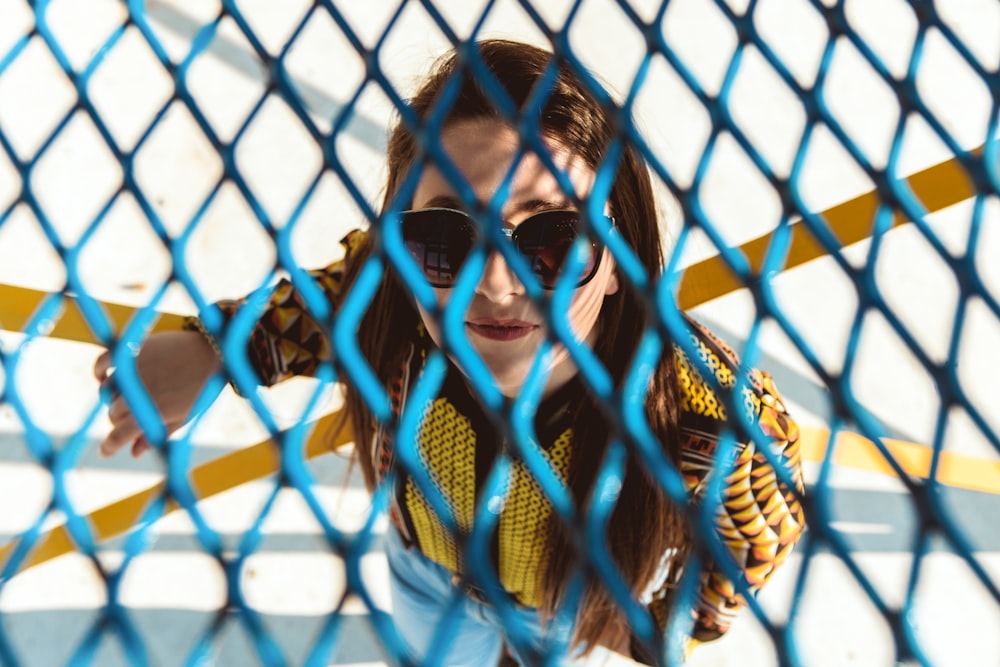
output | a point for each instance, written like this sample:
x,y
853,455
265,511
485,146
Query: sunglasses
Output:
x,y
440,240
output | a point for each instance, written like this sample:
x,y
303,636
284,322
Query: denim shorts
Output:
x,y
423,595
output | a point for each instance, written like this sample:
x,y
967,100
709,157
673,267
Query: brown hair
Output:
x,y
644,524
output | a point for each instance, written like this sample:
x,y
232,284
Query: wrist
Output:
x,y
195,326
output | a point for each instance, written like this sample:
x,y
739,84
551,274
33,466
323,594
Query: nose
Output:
x,y
498,282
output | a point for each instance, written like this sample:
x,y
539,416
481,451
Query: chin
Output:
x,y
510,378
509,386
508,383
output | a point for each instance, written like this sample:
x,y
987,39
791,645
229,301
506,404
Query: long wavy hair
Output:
x,y
644,524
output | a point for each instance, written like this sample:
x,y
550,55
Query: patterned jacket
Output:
x,y
759,517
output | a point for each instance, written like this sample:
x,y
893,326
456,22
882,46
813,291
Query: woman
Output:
x,y
486,172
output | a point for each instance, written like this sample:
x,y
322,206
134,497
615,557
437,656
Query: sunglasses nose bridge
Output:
x,y
497,282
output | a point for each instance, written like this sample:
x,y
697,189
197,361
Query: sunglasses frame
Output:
x,y
512,234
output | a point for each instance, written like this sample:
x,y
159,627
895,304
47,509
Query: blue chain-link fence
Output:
x,y
706,79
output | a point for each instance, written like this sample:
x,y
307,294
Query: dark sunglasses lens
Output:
x,y
439,241
546,240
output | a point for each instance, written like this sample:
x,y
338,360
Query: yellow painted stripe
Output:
x,y
18,304
857,452
207,480
937,187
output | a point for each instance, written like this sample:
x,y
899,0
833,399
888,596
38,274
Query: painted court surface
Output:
x,y
174,590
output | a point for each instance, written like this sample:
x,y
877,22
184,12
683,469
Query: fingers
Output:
x,y
125,433
104,373
119,411
122,434
102,366
125,430
141,446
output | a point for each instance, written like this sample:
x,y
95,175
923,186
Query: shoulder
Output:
x,y
712,381
718,367
353,241
331,277
707,368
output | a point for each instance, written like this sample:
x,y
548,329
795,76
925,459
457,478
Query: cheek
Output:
x,y
585,309
589,299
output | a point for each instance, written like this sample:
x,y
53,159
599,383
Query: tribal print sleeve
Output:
x,y
288,340
759,518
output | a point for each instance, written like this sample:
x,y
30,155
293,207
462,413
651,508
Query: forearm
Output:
x,y
291,336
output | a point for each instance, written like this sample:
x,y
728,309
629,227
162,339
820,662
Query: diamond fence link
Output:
x,y
896,200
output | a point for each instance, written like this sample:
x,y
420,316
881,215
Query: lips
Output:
x,y
503,330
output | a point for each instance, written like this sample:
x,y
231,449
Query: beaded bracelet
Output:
x,y
192,323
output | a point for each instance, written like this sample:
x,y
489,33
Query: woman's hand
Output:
x,y
174,367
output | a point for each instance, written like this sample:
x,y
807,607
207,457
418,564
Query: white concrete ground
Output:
x,y
174,590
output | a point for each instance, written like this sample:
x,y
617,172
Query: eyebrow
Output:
x,y
445,201
538,205
527,206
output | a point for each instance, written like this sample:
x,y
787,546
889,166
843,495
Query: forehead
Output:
x,y
484,151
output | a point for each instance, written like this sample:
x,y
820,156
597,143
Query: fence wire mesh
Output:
x,y
95,111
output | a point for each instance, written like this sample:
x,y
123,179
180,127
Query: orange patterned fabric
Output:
x,y
288,339
759,518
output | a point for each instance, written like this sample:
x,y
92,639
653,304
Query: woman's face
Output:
x,y
502,323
